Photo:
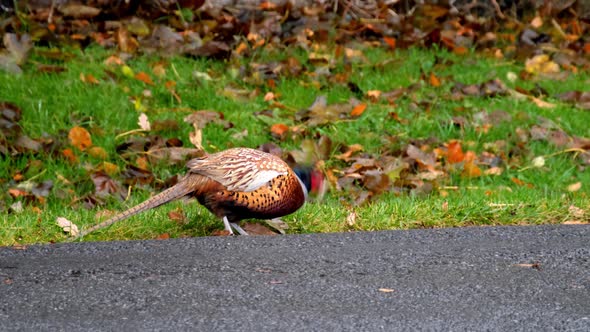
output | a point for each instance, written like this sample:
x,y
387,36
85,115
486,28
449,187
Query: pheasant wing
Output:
x,y
240,170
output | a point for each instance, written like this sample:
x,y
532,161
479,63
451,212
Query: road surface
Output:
x,y
487,278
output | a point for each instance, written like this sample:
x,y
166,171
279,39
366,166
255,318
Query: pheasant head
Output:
x,y
312,180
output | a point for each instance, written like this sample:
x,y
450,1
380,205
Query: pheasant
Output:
x,y
236,184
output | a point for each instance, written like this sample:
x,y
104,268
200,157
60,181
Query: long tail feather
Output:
x,y
179,190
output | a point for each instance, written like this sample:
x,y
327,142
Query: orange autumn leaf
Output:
x,y
460,50
518,181
114,60
159,70
80,138
88,78
15,192
471,170
241,48
109,168
455,152
390,41
98,152
469,156
145,78
279,130
164,236
433,80
143,163
267,5
358,110
69,155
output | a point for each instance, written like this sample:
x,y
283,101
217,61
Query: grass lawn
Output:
x,y
524,193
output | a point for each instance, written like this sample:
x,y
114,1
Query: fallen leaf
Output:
x,y
574,187
78,11
68,226
538,162
434,80
279,130
576,212
257,229
541,64
163,236
143,122
278,224
454,152
390,41
70,156
358,110
351,219
471,170
145,78
80,138
97,152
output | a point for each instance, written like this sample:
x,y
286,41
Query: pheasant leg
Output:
x,y
239,229
227,226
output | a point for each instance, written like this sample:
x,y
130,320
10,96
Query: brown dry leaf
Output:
x,y
18,49
376,181
174,155
109,168
78,11
533,265
159,69
350,150
10,115
97,152
68,226
133,175
576,212
80,138
105,186
471,170
278,224
257,229
351,219
579,98
428,159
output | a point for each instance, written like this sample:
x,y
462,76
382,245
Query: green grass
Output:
x,y
54,103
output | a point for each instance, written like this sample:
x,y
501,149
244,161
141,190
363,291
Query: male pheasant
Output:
x,y
236,184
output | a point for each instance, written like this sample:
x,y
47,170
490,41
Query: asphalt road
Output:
x,y
489,278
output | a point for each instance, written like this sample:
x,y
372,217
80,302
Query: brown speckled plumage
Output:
x,y
236,184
